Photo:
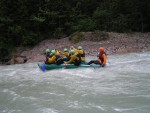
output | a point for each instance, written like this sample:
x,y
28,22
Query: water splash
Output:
x,y
123,86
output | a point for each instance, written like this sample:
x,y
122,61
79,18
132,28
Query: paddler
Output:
x,y
47,54
65,53
102,58
80,51
75,58
57,52
55,58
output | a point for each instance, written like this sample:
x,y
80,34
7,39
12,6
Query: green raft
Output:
x,y
44,66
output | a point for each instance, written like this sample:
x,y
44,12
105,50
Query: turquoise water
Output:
x,y
121,87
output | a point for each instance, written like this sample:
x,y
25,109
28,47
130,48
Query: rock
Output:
x,y
18,60
116,43
37,58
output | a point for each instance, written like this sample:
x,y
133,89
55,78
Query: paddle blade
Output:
x,y
43,68
65,66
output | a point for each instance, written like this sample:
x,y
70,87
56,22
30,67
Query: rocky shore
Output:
x,y
117,43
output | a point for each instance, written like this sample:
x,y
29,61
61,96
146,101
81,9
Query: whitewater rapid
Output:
x,y
123,86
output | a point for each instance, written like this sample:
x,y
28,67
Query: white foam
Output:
x,y
48,110
12,73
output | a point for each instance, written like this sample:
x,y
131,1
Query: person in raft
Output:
x,y
75,58
80,51
65,53
102,58
47,54
55,58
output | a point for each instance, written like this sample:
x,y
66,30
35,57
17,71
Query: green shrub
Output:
x,y
4,54
76,37
84,25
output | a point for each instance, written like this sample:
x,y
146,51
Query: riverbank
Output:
x,y
117,43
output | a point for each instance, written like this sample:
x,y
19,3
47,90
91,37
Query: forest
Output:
x,y
24,23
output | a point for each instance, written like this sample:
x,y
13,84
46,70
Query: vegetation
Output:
x,y
26,22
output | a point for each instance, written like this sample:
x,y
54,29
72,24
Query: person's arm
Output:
x,y
98,58
57,52
99,61
62,53
76,50
105,59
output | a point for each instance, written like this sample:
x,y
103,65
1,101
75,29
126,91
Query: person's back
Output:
x,y
81,52
47,55
75,58
56,58
52,59
65,53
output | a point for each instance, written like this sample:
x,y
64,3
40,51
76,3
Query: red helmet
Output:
x,y
101,49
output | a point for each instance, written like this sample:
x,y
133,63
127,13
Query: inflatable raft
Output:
x,y
44,66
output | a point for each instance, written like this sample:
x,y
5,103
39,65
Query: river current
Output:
x,y
123,86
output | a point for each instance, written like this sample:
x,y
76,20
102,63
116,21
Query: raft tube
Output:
x,y
44,66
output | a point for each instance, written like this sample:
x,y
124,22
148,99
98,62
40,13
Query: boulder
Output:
x,y
18,60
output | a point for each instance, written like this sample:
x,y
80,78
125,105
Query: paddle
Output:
x,y
108,60
65,65
43,67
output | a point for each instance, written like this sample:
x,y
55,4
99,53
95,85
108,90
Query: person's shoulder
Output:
x,y
104,55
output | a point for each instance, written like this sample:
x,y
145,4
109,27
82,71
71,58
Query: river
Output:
x,y
123,86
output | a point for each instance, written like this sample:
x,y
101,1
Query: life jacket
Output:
x,y
68,56
100,56
48,55
52,59
77,61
